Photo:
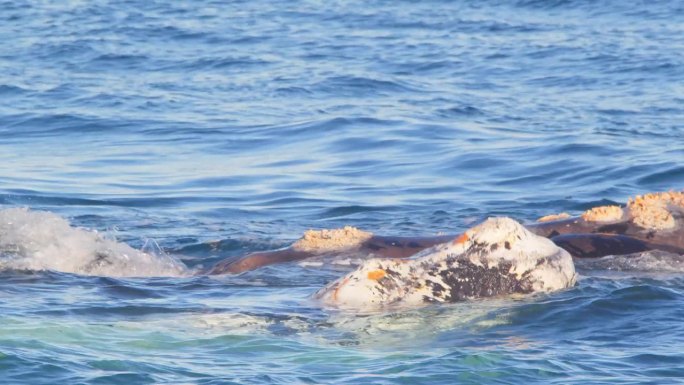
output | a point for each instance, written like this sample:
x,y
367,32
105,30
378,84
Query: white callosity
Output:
x,y
36,240
334,240
657,211
497,257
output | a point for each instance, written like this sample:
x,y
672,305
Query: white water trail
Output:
x,y
38,240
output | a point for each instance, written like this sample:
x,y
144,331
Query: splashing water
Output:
x,y
35,240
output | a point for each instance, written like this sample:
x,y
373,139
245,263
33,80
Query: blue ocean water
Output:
x,y
205,130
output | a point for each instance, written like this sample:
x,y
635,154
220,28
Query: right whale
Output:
x,y
653,221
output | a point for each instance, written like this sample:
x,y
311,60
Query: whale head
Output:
x,y
495,258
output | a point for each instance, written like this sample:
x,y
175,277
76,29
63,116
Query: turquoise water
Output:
x,y
198,132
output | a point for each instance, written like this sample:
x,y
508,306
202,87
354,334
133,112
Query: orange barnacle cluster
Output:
x,y
652,211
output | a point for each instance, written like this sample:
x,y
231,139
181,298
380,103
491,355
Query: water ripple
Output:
x,y
209,131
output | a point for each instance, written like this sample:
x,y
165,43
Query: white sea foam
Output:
x,y
647,261
37,240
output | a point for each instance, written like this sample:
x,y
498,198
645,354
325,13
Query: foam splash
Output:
x,y
36,240
655,261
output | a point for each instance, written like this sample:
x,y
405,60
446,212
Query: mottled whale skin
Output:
x,y
496,258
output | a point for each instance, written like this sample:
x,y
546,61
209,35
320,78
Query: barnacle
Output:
x,y
326,240
652,211
553,217
603,214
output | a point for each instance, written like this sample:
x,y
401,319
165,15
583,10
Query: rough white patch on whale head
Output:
x,y
499,247
513,242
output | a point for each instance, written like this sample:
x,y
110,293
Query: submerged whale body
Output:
x,y
498,257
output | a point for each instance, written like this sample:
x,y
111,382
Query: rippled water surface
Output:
x,y
202,131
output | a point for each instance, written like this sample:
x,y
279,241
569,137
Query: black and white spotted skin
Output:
x,y
498,257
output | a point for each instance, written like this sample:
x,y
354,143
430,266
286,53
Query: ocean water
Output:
x,y
188,132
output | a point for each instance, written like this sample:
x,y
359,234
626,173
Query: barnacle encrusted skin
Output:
x,y
330,240
603,214
653,210
498,257
553,217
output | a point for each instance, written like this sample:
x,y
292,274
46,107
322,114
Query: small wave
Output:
x,y
460,111
34,240
345,211
50,124
362,86
112,58
10,90
671,176
218,63
544,4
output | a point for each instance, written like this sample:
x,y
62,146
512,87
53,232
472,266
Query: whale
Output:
x,y
499,257
653,221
